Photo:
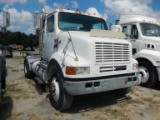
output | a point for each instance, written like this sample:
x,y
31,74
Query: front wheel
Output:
x,y
58,96
148,72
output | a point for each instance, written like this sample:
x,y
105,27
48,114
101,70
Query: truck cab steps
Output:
x,y
41,82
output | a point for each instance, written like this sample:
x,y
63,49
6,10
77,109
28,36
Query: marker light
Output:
x,y
135,66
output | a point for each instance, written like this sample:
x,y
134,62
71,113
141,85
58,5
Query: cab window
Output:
x,y
124,30
134,32
50,24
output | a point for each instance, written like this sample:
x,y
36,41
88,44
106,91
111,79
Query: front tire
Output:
x,y
148,72
58,96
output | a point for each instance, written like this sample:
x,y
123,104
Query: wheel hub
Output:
x,y
145,74
54,89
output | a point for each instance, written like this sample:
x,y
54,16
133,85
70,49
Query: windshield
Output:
x,y
70,21
150,29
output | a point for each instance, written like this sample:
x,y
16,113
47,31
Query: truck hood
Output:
x,y
85,46
153,40
100,34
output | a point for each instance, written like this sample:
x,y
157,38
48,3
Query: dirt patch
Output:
x,y
26,100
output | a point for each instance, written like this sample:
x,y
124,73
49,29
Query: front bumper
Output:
x,y
108,83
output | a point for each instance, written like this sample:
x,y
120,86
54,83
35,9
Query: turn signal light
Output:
x,y
71,70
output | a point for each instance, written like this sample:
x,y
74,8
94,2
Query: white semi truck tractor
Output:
x,y
144,34
6,23
79,56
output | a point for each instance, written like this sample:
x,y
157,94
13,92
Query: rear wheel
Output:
x,y
2,77
148,72
28,74
3,73
58,96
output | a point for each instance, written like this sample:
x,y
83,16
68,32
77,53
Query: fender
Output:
x,y
150,55
68,60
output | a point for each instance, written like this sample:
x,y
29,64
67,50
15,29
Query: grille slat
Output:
x,y
111,52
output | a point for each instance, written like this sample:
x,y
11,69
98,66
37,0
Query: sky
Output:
x,y
21,11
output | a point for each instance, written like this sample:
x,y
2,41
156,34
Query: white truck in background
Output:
x,y
78,56
6,23
144,34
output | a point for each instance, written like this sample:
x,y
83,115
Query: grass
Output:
x,y
17,58
117,113
130,102
19,113
57,113
14,70
120,110
31,82
34,117
151,100
17,90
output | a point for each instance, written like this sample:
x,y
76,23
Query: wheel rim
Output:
x,y
145,74
25,69
54,89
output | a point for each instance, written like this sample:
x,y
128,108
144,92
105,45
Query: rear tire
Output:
x,y
148,72
3,73
28,74
58,96
2,77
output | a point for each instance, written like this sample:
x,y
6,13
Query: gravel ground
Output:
x,y
26,100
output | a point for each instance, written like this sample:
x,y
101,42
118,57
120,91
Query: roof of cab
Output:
x,y
137,18
78,12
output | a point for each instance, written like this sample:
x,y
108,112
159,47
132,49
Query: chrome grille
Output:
x,y
111,52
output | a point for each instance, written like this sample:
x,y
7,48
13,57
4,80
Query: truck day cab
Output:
x,y
79,56
144,35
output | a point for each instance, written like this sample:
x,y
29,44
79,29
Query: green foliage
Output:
x,y
18,38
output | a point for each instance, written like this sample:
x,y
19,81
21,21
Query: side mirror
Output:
x,y
116,28
109,25
37,20
3,29
6,19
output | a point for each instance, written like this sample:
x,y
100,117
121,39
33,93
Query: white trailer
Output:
x,y
144,34
78,56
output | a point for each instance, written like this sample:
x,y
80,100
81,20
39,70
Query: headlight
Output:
x,y
0,51
135,66
77,70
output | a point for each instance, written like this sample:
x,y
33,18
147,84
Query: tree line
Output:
x,y
18,38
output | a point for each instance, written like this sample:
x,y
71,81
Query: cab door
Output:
x,y
48,38
132,33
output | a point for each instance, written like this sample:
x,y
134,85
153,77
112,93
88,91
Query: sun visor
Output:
x,y
106,33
